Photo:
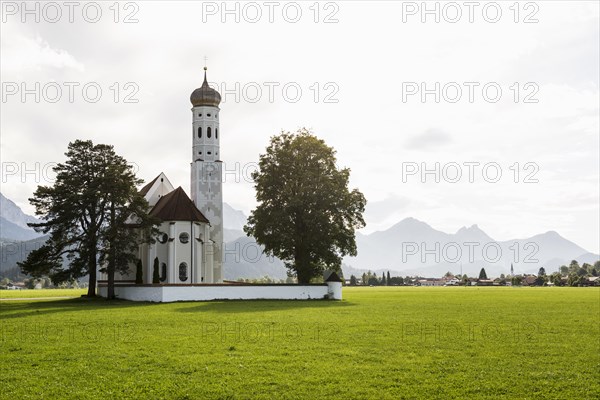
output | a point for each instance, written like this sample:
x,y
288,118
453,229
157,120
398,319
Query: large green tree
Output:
x,y
84,213
307,215
127,223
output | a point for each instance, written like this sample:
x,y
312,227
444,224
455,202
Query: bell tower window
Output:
x,y
208,132
216,133
199,132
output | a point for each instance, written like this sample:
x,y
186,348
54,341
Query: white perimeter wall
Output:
x,y
169,293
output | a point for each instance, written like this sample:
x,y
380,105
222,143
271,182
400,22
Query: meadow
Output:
x,y
379,343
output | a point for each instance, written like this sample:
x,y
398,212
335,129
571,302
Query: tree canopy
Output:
x,y
88,214
306,214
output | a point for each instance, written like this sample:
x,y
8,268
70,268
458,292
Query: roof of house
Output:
x,y
333,277
177,206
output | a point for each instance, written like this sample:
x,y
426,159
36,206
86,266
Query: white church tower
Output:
x,y
206,183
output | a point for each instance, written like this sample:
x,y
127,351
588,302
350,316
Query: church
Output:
x,y
189,246
188,251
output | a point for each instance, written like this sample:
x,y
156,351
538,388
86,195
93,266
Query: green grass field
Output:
x,y
21,294
379,343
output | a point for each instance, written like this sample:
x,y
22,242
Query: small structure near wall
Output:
x,y
331,290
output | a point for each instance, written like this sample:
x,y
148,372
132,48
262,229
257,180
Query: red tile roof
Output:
x,y
177,206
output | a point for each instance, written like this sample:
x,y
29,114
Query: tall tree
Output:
x,y
542,271
352,280
383,281
306,214
128,223
388,278
482,274
75,212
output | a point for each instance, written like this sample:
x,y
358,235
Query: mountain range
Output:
x,y
13,222
410,247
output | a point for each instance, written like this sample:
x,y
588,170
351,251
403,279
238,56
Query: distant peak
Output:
x,y
552,233
473,227
411,221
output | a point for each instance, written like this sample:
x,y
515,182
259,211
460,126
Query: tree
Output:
x,y
541,280
383,281
155,275
596,270
564,270
482,274
574,279
395,281
306,215
388,278
352,280
139,273
556,279
82,213
373,281
127,223
542,271
517,280
364,279
573,266
512,270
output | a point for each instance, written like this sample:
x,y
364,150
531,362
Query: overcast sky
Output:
x,y
361,68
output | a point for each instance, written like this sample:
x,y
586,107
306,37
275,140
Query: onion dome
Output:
x,y
205,95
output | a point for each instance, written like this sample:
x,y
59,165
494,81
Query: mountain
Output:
x,y
244,258
12,252
12,231
13,221
412,247
233,219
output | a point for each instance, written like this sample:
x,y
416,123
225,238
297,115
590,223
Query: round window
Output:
x,y
184,237
163,237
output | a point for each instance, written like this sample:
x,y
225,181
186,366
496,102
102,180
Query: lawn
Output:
x,y
380,343
12,294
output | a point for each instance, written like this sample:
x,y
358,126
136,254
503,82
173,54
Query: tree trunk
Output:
x,y
92,271
302,268
110,292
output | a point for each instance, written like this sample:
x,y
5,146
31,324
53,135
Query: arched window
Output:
x,y
199,132
216,133
163,272
183,274
208,132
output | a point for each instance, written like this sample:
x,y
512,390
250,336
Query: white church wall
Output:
x,y
172,293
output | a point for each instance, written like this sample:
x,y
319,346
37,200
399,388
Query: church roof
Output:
x,y
177,206
205,95
147,187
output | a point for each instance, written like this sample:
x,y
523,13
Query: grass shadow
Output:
x,y
25,308
249,306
